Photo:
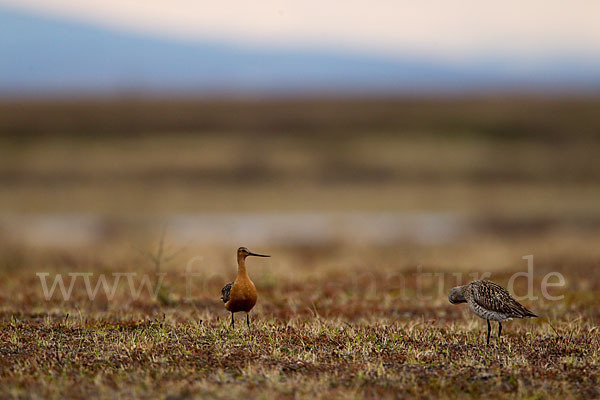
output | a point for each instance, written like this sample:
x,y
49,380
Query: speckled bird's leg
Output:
x,y
489,330
499,329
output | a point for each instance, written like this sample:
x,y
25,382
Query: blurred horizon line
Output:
x,y
232,96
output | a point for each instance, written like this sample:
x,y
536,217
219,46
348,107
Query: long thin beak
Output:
x,y
257,255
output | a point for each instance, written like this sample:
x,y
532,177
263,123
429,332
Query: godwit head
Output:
x,y
243,252
457,296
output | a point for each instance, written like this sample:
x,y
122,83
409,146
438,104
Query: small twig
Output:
x,y
551,326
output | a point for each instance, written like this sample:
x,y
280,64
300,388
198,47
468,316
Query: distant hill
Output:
x,y
50,55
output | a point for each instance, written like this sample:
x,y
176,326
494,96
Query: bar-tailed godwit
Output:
x,y
241,294
490,302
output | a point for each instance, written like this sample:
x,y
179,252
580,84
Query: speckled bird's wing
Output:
x,y
494,297
225,292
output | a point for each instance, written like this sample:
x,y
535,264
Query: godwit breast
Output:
x,y
241,294
490,302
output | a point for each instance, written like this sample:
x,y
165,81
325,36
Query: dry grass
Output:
x,y
306,357
331,322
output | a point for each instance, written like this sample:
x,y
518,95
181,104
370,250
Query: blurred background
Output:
x,y
298,123
381,152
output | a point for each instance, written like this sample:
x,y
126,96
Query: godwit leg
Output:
x,y
499,329
232,321
489,330
248,320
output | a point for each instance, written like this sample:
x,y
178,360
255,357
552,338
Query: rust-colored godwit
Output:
x,y
241,294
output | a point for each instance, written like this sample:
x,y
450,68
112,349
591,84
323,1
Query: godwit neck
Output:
x,y
242,253
242,266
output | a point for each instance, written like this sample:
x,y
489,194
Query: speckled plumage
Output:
x,y
489,301
225,292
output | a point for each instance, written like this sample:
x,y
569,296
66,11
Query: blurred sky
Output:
x,y
450,44
453,29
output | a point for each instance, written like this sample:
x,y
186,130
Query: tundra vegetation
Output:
x,y
94,194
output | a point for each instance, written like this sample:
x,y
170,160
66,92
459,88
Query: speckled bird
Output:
x,y
241,294
489,301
